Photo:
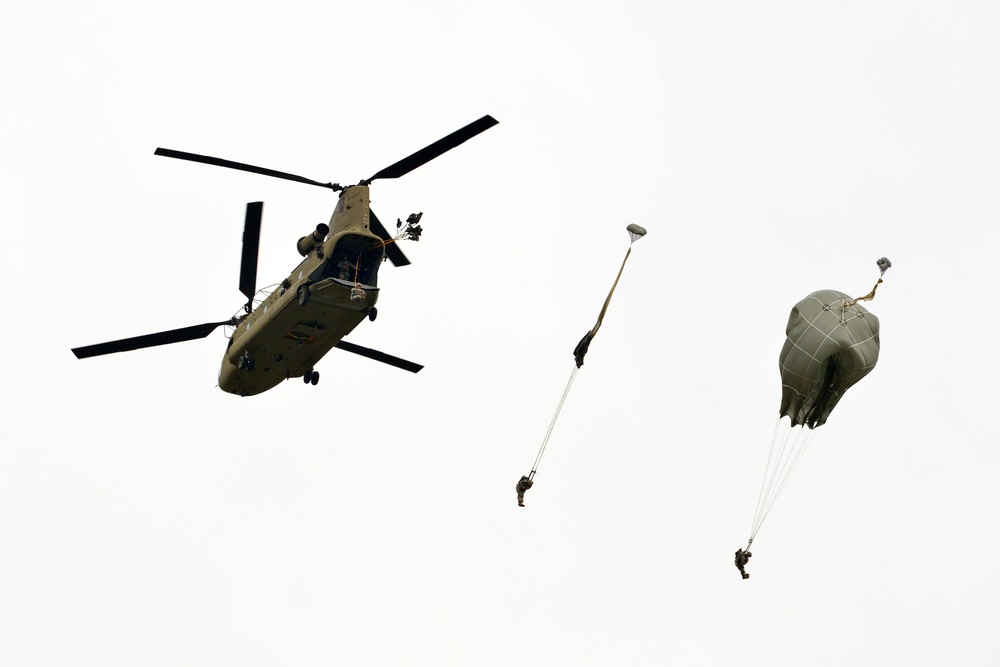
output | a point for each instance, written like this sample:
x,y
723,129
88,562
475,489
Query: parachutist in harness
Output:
x,y
741,560
831,343
523,485
579,352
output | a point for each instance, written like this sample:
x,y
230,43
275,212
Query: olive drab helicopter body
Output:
x,y
327,295
332,290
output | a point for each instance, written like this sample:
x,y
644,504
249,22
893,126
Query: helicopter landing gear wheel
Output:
x,y
303,295
245,363
311,377
372,314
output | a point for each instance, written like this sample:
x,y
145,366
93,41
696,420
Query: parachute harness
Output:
x,y
635,232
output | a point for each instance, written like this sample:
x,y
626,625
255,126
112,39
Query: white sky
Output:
x,y
148,518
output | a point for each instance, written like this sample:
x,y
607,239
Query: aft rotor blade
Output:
x,y
229,164
425,155
149,340
251,246
392,250
379,356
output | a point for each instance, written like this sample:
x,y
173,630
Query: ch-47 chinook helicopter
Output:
x,y
327,295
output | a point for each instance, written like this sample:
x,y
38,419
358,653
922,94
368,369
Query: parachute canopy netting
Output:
x,y
831,342
635,233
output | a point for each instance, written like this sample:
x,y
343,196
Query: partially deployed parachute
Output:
x,y
831,342
635,232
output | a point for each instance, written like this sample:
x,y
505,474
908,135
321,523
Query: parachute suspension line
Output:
x,y
803,436
790,443
763,482
545,441
779,442
786,463
776,465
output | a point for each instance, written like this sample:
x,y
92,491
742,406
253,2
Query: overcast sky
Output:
x,y
771,149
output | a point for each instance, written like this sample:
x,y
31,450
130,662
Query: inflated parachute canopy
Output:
x,y
831,343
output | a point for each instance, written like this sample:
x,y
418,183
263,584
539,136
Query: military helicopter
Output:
x,y
325,297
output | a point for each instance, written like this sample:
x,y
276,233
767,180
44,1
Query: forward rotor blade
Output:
x,y
424,155
149,340
219,162
392,250
251,246
379,356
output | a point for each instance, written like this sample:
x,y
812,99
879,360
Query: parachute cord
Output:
x,y
763,481
777,476
801,448
773,474
781,475
552,424
775,464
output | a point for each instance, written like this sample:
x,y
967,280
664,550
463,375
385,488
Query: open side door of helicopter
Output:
x,y
350,257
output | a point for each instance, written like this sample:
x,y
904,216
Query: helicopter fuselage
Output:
x,y
327,295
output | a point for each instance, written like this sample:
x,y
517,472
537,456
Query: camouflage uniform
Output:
x,y
523,485
741,560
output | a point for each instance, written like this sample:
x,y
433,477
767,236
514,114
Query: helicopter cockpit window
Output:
x,y
355,259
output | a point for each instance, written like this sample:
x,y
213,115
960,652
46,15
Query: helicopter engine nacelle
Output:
x,y
310,241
